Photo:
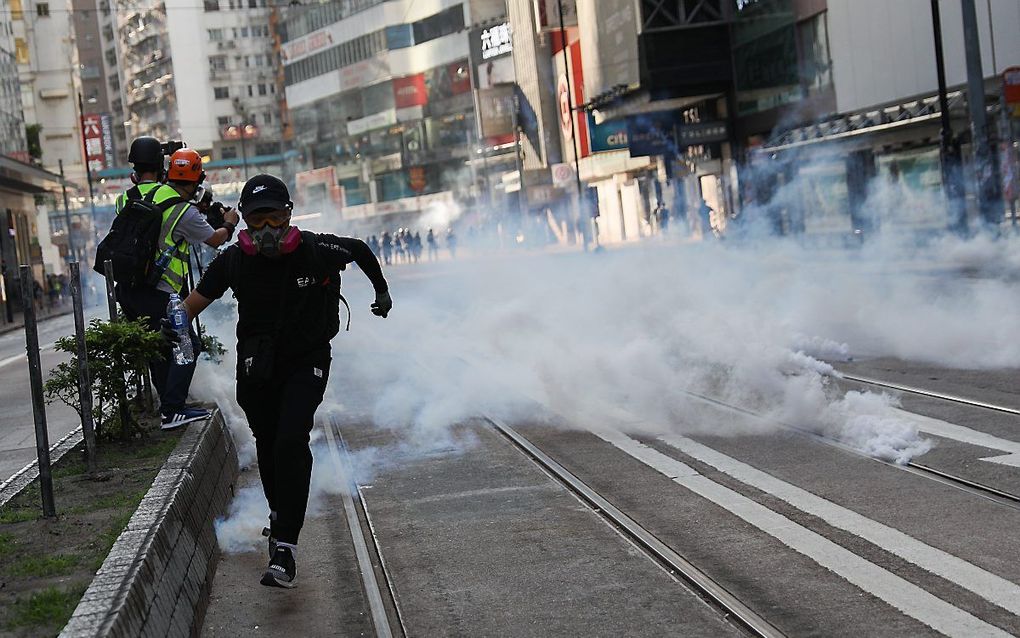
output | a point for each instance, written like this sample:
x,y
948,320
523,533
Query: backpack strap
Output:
x,y
325,271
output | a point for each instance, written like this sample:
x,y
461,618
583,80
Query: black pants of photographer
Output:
x,y
281,414
172,381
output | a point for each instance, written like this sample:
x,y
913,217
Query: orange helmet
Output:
x,y
185,166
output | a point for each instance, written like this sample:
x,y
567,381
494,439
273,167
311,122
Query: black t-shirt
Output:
x,y
294,299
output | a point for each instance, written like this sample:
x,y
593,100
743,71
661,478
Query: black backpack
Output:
x,y
133,239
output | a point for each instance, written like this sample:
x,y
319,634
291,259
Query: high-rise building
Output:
x,y
382,108
203,73
47,59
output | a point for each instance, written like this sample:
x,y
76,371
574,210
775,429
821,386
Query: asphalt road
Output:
x,y
478,540
17,427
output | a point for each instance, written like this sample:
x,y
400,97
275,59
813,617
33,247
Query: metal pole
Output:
x,y
42,442
71,251
987,180
111,292
84,383
88,169
244,151
522,203
948,156
573,130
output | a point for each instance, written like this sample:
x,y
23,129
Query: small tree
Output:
x,y
117,352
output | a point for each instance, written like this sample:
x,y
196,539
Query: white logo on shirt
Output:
x,y
258,189
304,282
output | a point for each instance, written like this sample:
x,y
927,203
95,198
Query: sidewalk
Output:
x,y
59,310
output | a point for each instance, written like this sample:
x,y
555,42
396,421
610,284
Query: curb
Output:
x,y
21,326
156,579
24,477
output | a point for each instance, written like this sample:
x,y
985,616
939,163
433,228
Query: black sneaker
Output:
x,y
281,571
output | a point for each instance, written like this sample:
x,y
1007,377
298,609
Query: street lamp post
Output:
x,y
244,150
573,129
948,151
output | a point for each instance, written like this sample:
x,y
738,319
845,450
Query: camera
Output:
x,y
213,211
171,147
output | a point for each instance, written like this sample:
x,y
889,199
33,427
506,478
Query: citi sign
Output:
x,y
617,139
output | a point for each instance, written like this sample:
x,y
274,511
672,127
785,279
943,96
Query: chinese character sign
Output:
x,y
96,139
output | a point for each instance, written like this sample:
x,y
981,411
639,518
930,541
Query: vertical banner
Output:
x,y
95,152
576,86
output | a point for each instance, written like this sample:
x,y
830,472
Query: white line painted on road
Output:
x,y
901,594
9,360
966,435
992,588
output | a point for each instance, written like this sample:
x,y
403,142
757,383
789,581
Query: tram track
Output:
x,y
732,608
975,488
376,581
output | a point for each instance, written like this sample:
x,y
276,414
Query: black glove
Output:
x,y
383,304
168,332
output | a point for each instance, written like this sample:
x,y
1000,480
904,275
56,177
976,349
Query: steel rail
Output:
x,y
662,553
930,393
380,619
981,490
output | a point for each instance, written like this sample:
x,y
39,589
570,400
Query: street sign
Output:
x,y
1011,90
562,174
701,133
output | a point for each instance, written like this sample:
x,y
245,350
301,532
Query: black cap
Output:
x,y
262,192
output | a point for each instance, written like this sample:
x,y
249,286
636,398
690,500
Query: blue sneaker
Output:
x,y
187,415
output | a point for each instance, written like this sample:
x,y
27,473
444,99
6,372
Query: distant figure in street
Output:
x,y
373,243
662,216
416,246
430,239
705,215
387,248
451,243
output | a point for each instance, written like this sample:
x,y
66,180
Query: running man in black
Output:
x,y
287,285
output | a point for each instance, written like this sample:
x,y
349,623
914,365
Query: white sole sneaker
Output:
x,y
178,420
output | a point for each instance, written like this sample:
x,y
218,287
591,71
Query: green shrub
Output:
x,y
117,353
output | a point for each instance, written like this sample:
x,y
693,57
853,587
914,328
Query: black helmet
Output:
x,y
146,151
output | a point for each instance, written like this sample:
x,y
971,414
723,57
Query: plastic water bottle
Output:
x,y
183,352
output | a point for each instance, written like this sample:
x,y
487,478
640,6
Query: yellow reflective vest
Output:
x,y
176,272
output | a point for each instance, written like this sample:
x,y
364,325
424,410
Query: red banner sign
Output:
x,y
92,132
410,91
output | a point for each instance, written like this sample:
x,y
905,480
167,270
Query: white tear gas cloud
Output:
x,y
620,339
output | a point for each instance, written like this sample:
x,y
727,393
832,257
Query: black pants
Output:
x,y
281,414
172,381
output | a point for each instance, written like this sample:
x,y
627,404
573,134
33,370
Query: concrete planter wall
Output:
x,y
156,579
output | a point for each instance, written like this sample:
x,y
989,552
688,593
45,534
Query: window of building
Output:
x,y
815,63
21,50
251,91
260,60
263,90
253,4
212,5
244,32
223,120
42,9
111,57
438,25
267,117
221,92
228,152
233,4
215,35
217,63
267,148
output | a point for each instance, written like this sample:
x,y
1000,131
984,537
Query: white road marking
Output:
x,y
967,435
992,588
901,594
18,357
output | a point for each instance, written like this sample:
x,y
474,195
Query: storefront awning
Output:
x,y
863,123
